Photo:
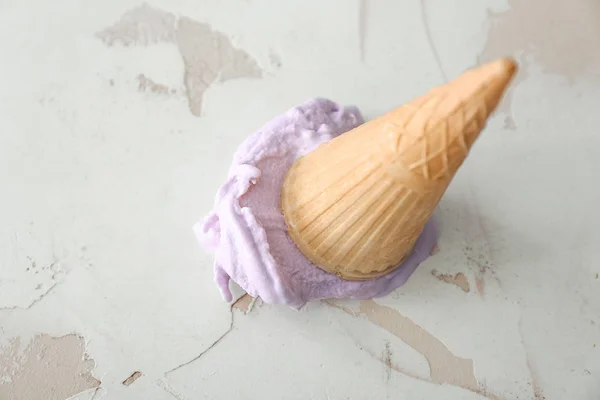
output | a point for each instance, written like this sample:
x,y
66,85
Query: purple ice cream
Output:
x,y
246,230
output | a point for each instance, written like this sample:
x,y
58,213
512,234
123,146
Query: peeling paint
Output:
x,y
146,84
132,378
141,26
480,284
480,274
445,367
245,303
242,303
208,55
459,279
49,368
559,40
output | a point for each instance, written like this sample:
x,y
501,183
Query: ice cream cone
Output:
x,y
356,205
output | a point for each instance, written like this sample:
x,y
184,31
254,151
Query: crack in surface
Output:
x,y
237,305
216,342
50,289
535,385
164,386
98,389
432,46
394,367
362,27
35,301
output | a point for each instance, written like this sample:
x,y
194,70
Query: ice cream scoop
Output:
x,y
246,230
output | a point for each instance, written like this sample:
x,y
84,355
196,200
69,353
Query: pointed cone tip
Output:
x,y
504,67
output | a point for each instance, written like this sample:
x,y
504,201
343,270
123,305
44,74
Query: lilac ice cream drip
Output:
x,y
247,232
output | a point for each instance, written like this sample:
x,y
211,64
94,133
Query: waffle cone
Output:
x,y
356,205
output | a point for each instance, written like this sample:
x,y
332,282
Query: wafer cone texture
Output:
x,y
356,205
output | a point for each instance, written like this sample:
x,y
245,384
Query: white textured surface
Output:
x,y
111,148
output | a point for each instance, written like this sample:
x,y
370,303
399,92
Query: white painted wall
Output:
x,y
102,180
